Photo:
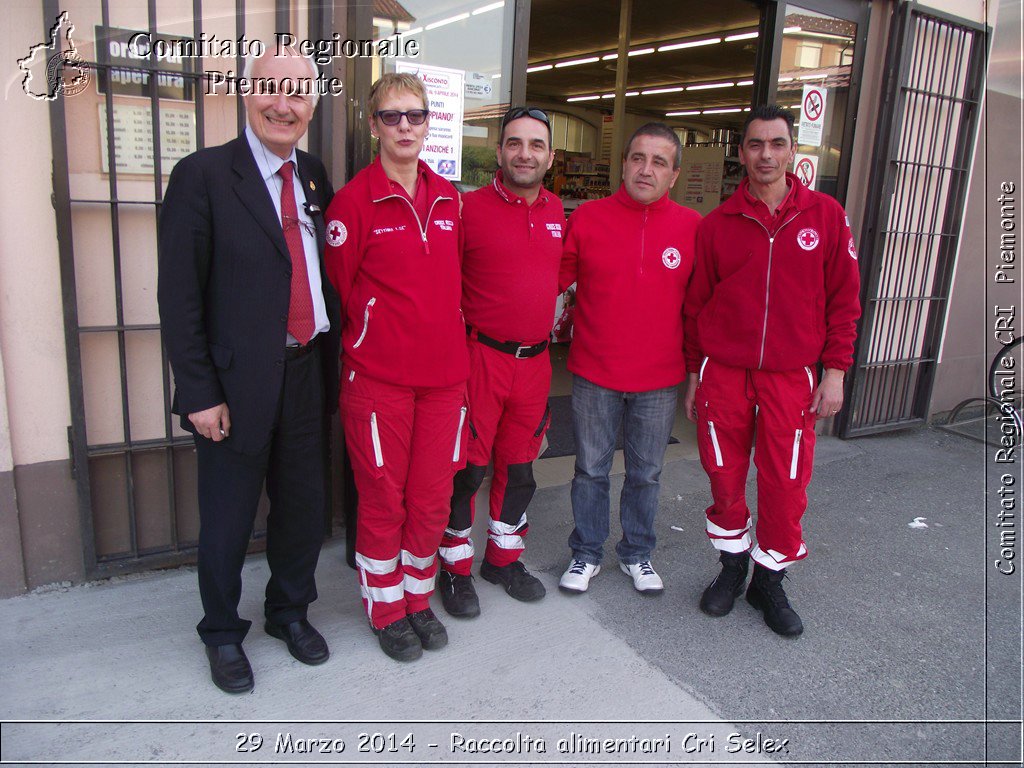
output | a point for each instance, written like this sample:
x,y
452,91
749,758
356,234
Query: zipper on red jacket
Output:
x,y
643,235
419,222
768,277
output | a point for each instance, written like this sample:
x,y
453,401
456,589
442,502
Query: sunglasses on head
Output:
x,y
516,112
394,117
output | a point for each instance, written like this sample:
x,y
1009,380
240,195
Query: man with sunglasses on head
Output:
x,y
251,328
511,254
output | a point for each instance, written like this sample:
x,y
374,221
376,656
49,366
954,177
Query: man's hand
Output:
x,y
690,397
213,423
828,398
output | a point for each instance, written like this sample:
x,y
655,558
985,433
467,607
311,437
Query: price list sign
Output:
x,y
133,138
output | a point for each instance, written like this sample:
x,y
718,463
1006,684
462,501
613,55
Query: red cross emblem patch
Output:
x,y
336,233
807,239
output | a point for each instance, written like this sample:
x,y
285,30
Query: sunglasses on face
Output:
x,y
394,117
516,112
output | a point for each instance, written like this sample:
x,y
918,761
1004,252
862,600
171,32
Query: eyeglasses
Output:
x,y
516,112
394,117
290,222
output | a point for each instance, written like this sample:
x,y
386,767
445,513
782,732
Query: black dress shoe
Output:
x,y
428,629
229,668
399,641
304,642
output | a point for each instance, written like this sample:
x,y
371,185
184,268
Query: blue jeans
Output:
x,y
646,419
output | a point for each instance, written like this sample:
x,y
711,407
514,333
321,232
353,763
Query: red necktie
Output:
x,y
300,301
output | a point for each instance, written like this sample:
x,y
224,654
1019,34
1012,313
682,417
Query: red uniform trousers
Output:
x,y
406,443
508,417
734,405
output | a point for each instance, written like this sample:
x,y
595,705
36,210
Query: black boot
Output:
x,y
458,595
721,593
766,594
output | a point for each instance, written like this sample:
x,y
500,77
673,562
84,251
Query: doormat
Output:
x,y
561,440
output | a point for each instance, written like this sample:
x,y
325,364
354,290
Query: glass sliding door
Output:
x,y
821,45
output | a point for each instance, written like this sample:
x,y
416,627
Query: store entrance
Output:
x,y
698,67
692,65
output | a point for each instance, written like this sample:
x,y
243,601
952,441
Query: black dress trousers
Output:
x,y
293,467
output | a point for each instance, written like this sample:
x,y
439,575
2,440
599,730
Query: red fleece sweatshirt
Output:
x,y
399,280
631,263
774,292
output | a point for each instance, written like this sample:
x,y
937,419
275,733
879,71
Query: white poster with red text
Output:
x,y
442,149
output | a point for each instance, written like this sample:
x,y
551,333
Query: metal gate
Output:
x,y
934,79
133,465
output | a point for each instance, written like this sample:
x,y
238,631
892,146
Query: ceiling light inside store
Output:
x,y
689,44
651,91
443,22
745,82
575,62
722,111
744,36
542,67
491,7
583,98
683,114
637,52
708,86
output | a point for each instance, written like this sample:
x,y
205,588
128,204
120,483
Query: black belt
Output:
x,y
517,349
295,351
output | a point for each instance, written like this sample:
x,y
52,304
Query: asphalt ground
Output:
x,y
911,652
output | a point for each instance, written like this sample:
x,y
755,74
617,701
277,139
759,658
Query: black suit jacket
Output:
x,y
224,284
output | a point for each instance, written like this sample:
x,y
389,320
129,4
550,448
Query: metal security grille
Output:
x,y
133,465
935,73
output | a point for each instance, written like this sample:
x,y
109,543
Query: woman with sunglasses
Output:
x,y
393,237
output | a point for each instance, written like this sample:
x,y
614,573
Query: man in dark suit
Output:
x,y
251,326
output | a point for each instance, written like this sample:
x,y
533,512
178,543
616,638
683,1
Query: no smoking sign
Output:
x,y
814,104
812,115
806,169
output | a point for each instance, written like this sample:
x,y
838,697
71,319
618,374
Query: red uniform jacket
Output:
x,y
510,262
631,263
399,280
775,293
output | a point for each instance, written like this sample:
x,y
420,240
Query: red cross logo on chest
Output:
x,y
336,233
807,239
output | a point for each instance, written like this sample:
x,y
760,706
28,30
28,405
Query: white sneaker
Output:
x,y
645,578
577,576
